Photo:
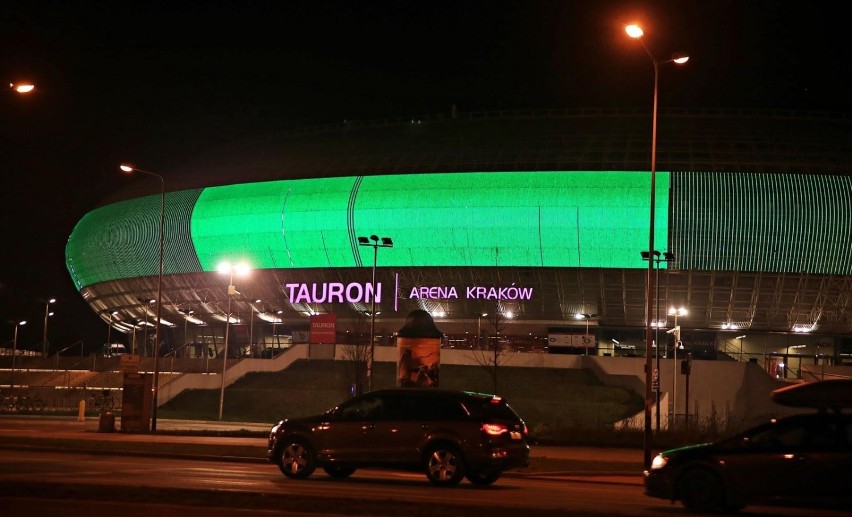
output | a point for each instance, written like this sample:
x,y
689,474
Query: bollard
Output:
x,y
81,411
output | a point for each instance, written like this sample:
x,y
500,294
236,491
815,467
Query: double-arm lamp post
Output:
x,y
23,88
634,31
373,242
130,169
226,268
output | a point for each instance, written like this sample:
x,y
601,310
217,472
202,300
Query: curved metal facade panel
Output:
x,y
779,223
276,224
529,219
122,240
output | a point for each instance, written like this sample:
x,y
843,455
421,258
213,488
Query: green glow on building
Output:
x,y
523,219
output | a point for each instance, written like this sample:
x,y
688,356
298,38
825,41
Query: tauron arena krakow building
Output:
x,y
538,216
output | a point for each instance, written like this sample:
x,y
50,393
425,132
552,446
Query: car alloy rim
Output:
x,y
294,457
442,465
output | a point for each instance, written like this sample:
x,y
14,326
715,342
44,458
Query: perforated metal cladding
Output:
x,y
723,221
122,240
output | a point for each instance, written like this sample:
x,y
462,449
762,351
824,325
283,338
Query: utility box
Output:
x,y
136,400
106,422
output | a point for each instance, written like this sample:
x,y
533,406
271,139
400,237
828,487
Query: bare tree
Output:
x,y
493,353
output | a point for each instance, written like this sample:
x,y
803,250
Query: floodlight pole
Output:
x,y
225,355
373,242
228,268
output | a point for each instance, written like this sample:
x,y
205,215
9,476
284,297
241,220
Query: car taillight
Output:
x,y
494,429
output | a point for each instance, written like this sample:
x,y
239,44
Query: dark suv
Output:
x,y
447,434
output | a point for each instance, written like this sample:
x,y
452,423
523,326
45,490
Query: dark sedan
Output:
x,y
805,458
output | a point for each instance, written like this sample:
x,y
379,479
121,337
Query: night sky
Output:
x,y
159,83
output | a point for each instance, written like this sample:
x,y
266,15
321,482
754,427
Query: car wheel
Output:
x,y
701,491
339,471
297,459
444,465
483,477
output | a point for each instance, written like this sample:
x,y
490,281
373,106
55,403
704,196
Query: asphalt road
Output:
x,y
246,441
69,467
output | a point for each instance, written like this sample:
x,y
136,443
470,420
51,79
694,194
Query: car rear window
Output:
x,y
491,409
418,406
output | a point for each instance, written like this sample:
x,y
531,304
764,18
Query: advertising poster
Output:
x,y
419,361
418,345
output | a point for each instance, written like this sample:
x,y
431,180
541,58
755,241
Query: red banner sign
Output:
x,y
323,329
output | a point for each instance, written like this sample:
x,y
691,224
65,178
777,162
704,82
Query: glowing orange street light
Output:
x,y
22,87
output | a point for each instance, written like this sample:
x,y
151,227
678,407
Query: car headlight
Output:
x,y
659,462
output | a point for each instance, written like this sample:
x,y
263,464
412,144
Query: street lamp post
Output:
x,y
387,242
187,314
226,268
276,319
44,348
109,327
251,327
129,169
15,351
681,311
479,316
634,31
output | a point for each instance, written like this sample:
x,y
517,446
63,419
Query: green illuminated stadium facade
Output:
x,y
541,217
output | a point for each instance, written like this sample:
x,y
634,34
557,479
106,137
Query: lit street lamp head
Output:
x,y
22,87
634,31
